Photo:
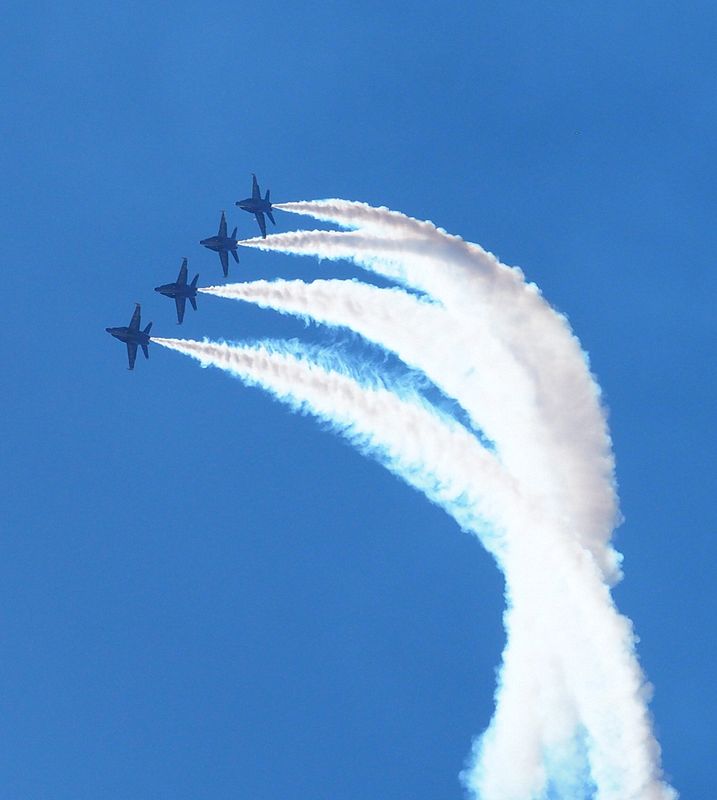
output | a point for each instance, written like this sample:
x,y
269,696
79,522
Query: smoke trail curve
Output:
x,y
434,455
560,620
490,304
430,452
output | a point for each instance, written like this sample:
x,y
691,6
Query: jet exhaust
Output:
x,y
571,717
384,420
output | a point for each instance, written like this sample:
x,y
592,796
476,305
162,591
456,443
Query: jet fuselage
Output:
x,y
253,205
218,243
177,290
125,334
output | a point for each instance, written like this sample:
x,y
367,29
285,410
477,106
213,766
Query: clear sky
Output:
x,y
205,596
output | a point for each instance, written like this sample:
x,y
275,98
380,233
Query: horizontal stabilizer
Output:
x,y
194,282
234,234
234,253
271,217
193,301
148,329
145,350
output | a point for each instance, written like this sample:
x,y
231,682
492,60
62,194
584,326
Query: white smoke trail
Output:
x,y
490,363
419,340
569,671
494,394
591,646
373,312
359,215
429,451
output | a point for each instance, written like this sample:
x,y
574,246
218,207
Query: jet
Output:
x,y
223,244
257,206
133,337
181,291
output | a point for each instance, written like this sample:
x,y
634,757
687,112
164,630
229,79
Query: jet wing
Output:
x,y
180,302
223,226
255,193
182,279
224,258
262,223
131,353
134,322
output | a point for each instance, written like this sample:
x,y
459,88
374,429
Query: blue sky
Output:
x,y
203,595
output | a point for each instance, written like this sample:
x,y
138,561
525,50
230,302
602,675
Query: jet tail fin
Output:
x,y
194,282
234,234
145,349
147,330
267,197
271,217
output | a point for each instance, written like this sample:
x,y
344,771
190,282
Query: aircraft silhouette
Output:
x,y
223,244
133,336
257,206
181,291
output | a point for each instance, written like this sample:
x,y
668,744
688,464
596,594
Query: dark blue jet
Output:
x,y
223,244
181,291
257,206
133,337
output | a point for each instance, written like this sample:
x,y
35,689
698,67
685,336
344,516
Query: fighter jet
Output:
x,y
181,291
223,244
257,206
133,337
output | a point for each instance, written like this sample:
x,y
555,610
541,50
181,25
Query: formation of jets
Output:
x,y
133,336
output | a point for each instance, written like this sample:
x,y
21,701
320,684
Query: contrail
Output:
x,y
373,313
415,330
571,718
429,451
564,420
358,215
576,462
433,454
